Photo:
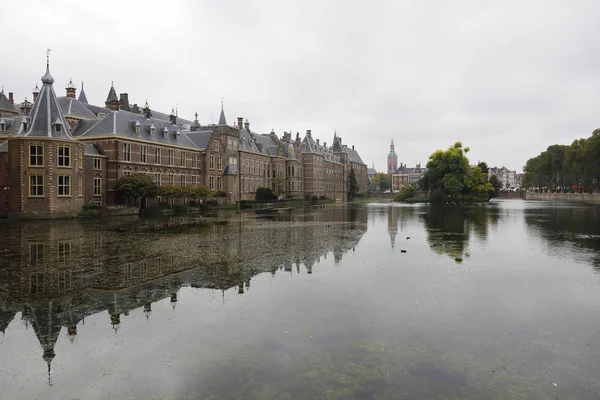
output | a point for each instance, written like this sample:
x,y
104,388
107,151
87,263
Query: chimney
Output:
x,y
124,102
36,93
325,144
308,132
317,142
173,117
147,111
11,99
247,125
240,122
70,90
352,147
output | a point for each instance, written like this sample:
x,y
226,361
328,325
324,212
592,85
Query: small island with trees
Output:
x,y
451,179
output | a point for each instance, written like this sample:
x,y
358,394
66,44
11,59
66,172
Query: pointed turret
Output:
x,y
71,89
222,120
82,97
112,101
47,119
35,92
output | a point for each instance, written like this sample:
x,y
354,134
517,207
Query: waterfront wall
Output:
x,y
578,197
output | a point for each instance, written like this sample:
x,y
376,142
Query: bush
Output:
x,y
405,193
265,194
322,197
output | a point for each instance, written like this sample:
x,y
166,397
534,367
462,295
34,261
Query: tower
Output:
x,y
392,159
112,101
71,89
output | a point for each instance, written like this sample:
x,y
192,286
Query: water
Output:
x,y
498,301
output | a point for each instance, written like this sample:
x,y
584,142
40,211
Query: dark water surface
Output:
x,y
498,301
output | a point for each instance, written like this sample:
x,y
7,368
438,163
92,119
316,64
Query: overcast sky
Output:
x,y
507,78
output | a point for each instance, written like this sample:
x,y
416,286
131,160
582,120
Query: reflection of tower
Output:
x,y
392,159
393,224
47,323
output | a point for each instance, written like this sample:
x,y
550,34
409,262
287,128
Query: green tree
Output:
x,y
447,170
352,184
484,167
477,183
382,181
496,185
135,186
405,193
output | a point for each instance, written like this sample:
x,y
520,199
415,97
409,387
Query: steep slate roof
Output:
x,y
46,112
82,97
75,108
309,145
112,94
353,154
93,149
200,138
403,169
371,171
123,123
5,104
222,120
13,124
97,109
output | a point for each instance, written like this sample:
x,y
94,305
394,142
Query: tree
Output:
x,y
476,182
382,181
352,184
447,170
265,194
484,167
135,186
496,185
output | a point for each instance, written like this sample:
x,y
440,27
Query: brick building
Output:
x,y
59,152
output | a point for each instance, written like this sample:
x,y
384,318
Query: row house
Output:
x,y
404,176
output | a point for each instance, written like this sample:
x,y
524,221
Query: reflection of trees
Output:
x,y
449,227
572,228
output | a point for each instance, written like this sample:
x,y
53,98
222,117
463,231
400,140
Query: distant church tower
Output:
x,y
392,160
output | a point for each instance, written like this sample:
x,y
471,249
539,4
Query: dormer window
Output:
x,y
58,126
176,135
24,124
2,125
138,127
165,132
152,130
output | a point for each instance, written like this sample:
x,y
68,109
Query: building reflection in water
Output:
x,y
56,274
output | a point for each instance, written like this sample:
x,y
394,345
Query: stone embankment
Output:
x,y
578,197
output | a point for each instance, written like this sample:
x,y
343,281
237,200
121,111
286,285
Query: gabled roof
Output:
x,y
354,157
5,104
46,113
13,125
123,124
309,145
82,97
75,108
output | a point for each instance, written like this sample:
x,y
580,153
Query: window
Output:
x,y
232,161
215,145
36,283
36,253
36,155
219,163
194,180
64,280
143,154
194,160
138,128
80,158
80,187
211,163
97,164
58,126
152,130
126,173
211,182
127,151
171,157
36,185
170,179
219,183
64,251
64,156
157,155
157,179
182,180
97,186
183,157
64,185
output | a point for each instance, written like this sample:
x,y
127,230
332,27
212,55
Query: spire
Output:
x,y
222,120
47,119
82,97
47,78
392,151
112,101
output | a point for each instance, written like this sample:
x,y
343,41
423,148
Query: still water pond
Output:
x,y
498,301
